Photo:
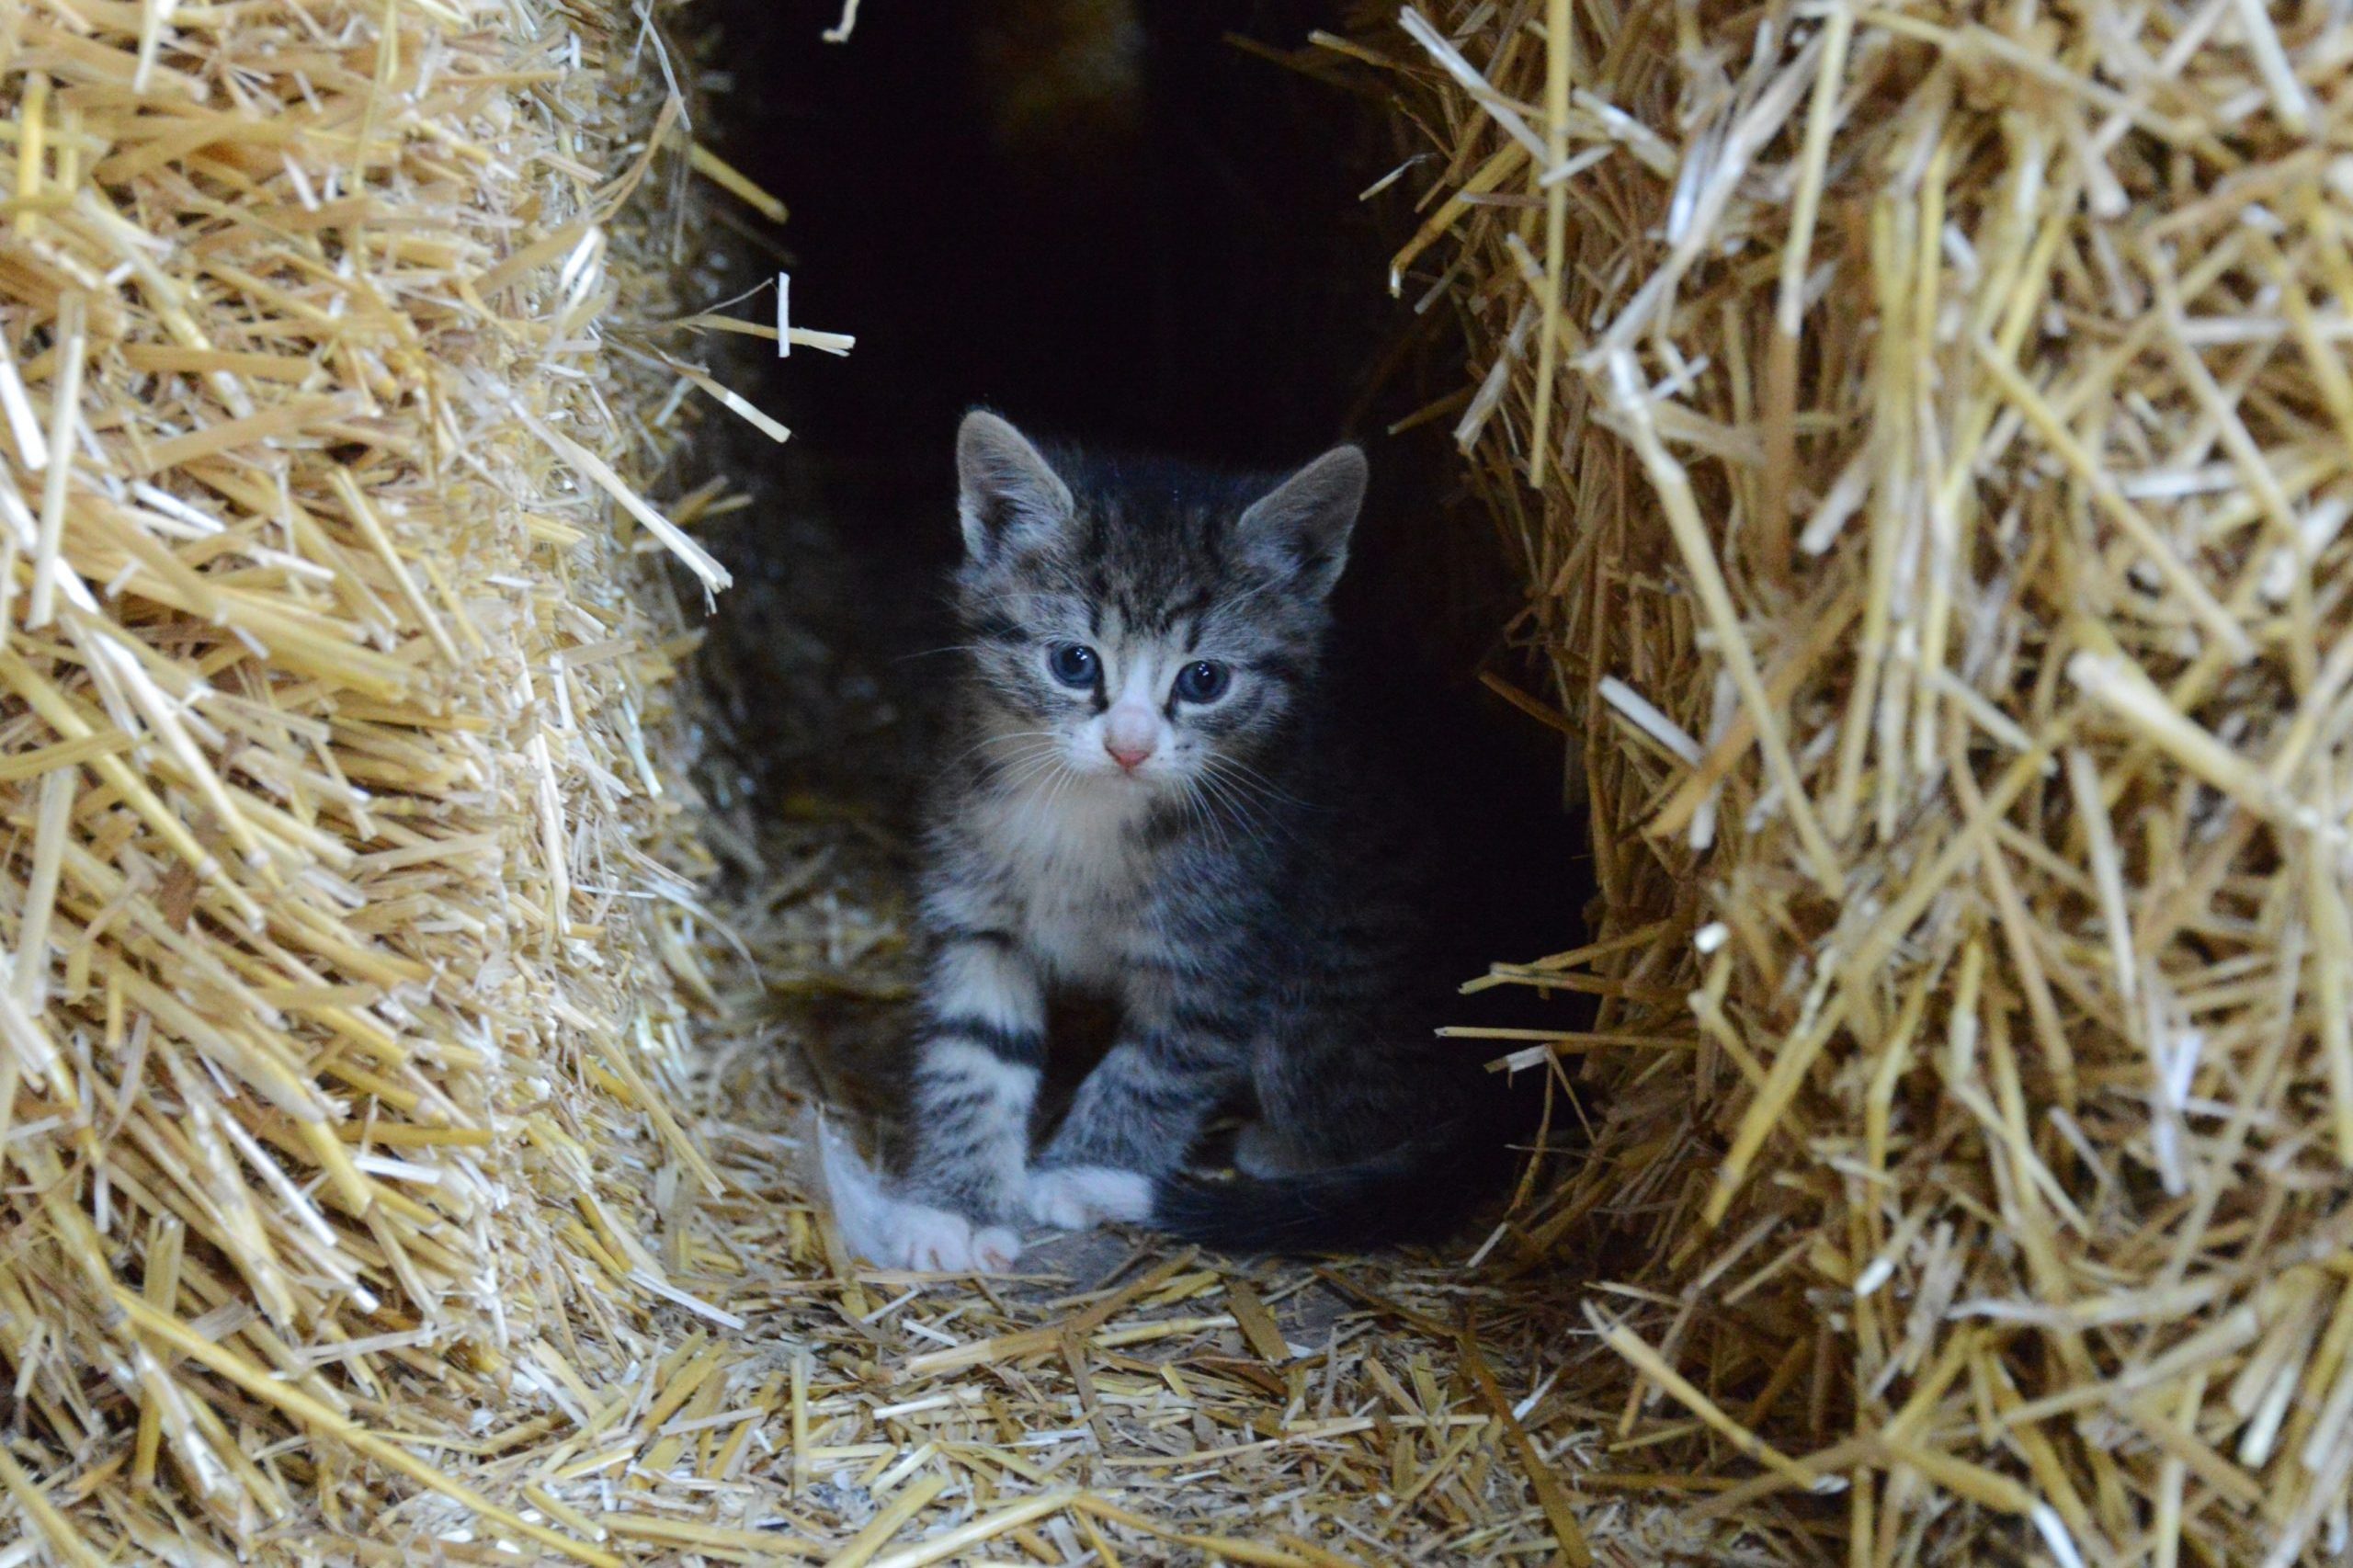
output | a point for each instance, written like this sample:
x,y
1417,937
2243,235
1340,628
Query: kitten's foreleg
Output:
x,y
889,1230
1134,1119
982,1047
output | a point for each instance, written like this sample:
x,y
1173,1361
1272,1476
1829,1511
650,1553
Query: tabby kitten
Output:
x,y
1151,803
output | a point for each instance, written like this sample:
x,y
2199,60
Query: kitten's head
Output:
x,y
1143,625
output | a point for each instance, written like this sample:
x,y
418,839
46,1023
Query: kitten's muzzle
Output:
x,y
1130,734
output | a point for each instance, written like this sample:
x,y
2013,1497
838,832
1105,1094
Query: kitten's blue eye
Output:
x,y
1073,664
1203,680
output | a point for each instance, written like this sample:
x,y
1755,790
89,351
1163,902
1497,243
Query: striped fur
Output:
x,y
1234,895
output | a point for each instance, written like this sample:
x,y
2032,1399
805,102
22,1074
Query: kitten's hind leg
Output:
x,y
982,1047
1261,1150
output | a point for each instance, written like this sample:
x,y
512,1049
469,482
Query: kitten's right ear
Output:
x,y
1004,484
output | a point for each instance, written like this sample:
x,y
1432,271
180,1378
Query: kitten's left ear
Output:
x,y
1304,521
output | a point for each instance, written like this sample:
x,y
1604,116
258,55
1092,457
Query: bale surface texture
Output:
x,y
1926,432
332,903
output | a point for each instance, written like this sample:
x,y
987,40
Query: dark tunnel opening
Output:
x,y
1112,222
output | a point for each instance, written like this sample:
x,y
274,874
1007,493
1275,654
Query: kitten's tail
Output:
x,y
1421,1191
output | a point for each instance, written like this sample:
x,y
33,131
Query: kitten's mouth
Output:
x,y
1149,779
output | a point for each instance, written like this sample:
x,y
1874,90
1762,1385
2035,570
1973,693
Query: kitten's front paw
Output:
x,y
938,1242
1079,1197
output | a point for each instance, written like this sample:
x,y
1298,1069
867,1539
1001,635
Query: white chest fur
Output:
x,y
1079,870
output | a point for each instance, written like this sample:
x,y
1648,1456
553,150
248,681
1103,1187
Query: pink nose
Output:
x,y
1128,757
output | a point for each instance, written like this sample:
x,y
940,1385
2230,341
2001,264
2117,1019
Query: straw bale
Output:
x,y
1925,433
338,857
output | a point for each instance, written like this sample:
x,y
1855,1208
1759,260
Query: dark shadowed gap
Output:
x,y
1107,221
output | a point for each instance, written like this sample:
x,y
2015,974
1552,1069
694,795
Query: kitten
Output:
x,y
1151,802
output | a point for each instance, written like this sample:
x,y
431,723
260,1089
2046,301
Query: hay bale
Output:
x,y
339,927
1926,436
